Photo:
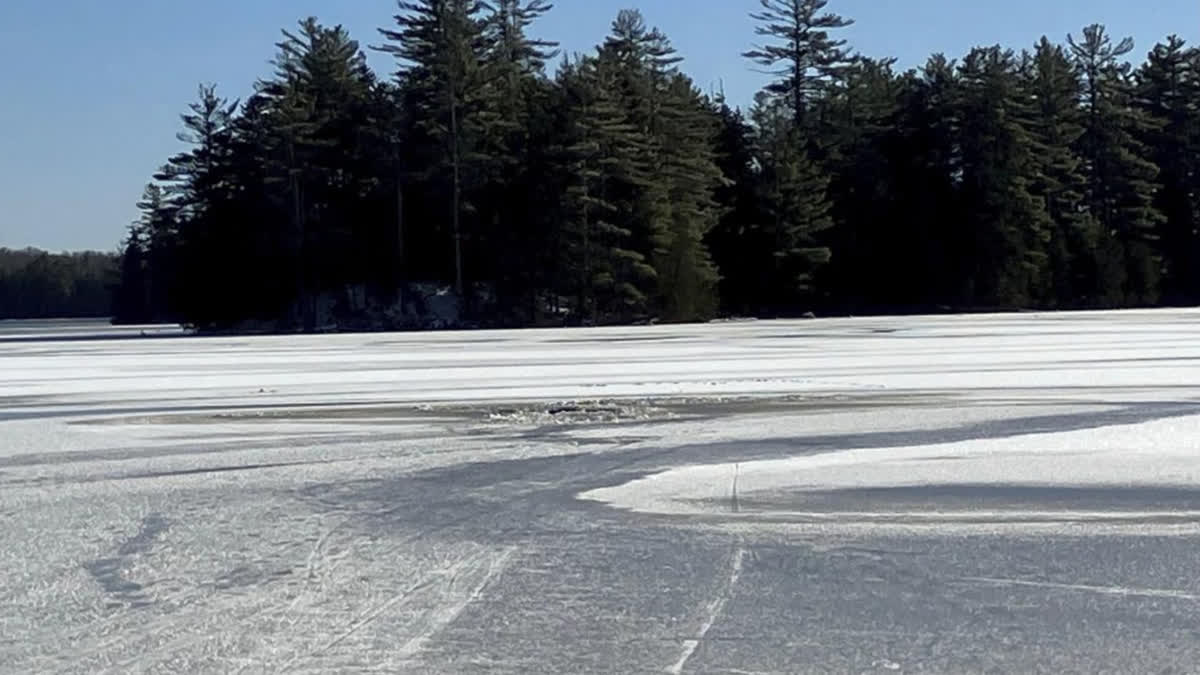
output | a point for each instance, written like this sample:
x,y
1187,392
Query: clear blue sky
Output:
x,y
91,90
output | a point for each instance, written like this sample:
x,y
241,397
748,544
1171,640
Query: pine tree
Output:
x,y
804,57
1060,182
634,62
198,186
147,286
1121,181
860,115
796,211
807,62
440,47
513,148
513,54
393,167
737,242
669,205
275,140
598,159
156,234
924,260
260,214
1169,93
196,177
321,95
1008,224
131,299
687,275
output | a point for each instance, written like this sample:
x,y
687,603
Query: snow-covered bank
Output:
x,y
977,481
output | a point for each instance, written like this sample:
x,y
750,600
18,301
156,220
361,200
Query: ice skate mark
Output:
x,y
1090,588
712,611
444,578
455,600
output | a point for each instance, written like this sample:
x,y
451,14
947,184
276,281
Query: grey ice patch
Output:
x,y
243,577
111,572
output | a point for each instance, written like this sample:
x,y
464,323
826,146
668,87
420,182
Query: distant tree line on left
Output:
x,y
35,284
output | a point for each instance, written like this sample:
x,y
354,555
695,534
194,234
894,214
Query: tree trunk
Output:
x,y
306,318
455,214
401,267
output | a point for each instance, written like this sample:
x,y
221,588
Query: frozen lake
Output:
x,y
934,494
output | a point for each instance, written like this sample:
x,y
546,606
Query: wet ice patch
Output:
x,y
570,413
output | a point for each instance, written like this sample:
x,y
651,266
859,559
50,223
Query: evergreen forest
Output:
x,y
536,187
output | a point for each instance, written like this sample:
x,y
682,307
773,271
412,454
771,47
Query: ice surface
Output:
x,y
1085,351
736,496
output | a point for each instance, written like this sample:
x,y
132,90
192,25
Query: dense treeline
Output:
x,y
35,284
607,187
